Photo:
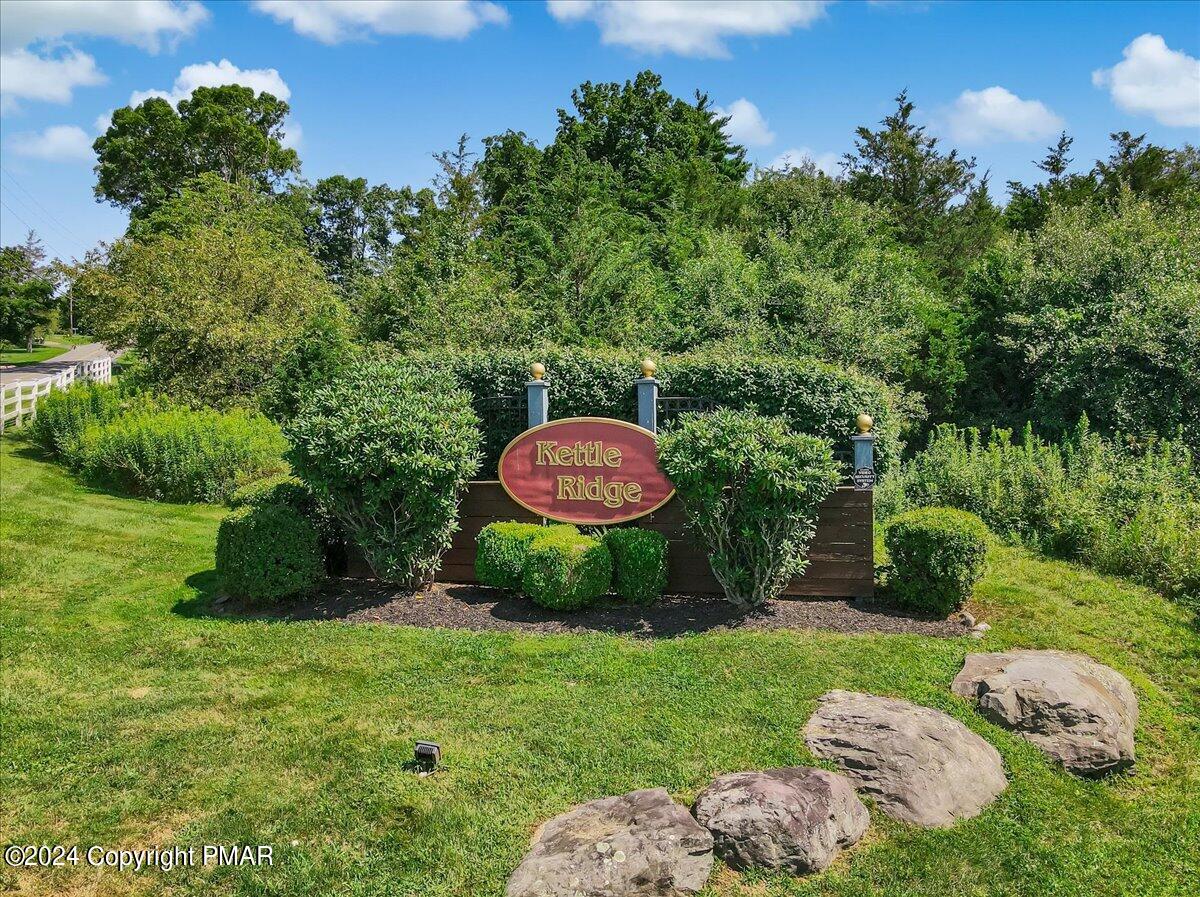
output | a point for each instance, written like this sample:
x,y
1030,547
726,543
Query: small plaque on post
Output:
x,y
864,478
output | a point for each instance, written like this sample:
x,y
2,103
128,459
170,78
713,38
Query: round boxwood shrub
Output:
x,y
937,554
566,571
639,563
388,449
501,549
750,488
268,553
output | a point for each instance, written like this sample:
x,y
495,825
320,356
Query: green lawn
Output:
x,y
55,345
131,719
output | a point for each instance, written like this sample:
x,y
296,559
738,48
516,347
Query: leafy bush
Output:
x,y
268,552
291,492
388,450
1125,507
62,415
813,397
501,549
750,488
180,454
639,563
566,571
937,555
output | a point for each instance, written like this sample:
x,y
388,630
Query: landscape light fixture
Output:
x,y
427,754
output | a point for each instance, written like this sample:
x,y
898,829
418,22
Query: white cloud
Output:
x,y
746,124
1155,80
998,114
57,143
49,79
36,63
687,27
334,21
149,24
214,74
830,163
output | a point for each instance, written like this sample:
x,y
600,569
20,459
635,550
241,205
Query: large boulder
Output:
x,y
1077,711
796,819
919,764
640,843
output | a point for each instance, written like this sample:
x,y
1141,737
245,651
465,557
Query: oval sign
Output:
x,y
585,470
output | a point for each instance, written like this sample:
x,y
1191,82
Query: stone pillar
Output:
x,y
538,393
864,454
647,397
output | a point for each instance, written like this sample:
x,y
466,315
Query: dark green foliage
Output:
x,y
289,491
27,300
179,454
566,571
937,555
751,488
812,396
148,152
63,415
1122,506
502,547
639,563
267,553
388,449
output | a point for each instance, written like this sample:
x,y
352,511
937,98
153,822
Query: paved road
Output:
x,y
86,352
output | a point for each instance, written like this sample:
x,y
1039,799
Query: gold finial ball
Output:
x,y
648,368
538,370
865,422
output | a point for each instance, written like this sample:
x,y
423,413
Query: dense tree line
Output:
x,y
642,226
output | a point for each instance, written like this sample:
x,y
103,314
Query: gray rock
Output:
x,y
1077,711
919,764
640,843
796,819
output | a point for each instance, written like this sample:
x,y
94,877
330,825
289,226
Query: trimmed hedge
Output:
x,y
291,492
813,397
180,454
938,555
268,553
566,571
501,550
639,563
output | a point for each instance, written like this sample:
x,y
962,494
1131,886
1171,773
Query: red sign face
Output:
x,y
585,470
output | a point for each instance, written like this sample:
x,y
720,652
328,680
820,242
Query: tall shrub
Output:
x,y
750,488
63,415
388,448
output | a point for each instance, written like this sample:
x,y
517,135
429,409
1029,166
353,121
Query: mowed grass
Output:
x,y
54,346
132,719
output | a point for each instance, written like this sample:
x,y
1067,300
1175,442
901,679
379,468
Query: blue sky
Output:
x,y
375,88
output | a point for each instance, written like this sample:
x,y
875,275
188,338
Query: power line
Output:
x,y
67,232
31,228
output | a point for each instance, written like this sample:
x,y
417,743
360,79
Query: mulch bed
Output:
x,y
476,608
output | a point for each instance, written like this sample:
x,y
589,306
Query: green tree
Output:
x,y
215,304
27,287
1098,312
933,196
351,227
150,151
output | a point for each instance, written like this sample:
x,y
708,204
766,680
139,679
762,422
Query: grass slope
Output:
x,y
131,719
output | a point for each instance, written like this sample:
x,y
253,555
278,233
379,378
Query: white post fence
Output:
x,y
18,399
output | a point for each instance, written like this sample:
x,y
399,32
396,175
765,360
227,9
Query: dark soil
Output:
x,y
477,608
